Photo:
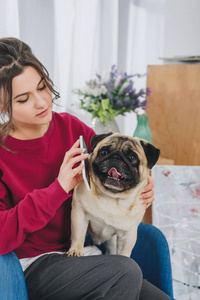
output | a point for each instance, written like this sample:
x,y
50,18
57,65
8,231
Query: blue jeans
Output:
x,y
12,282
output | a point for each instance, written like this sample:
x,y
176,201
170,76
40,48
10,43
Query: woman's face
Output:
x,y
31,100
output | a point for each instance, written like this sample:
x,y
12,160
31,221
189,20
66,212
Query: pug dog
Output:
x,y
111,211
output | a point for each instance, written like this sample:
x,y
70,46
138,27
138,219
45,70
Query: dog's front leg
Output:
x,y
111,245
125,243
79,225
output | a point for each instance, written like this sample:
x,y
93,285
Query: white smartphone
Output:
x,y
85,170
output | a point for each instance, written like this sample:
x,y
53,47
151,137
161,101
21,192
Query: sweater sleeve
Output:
x,y
29,215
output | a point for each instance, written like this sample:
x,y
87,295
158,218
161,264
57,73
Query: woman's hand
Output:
x,y
147,194
69,176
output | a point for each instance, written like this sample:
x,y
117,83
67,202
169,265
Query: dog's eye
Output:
x,y
133,157
103,152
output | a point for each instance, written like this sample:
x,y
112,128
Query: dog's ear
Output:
x,y
151,152
97,138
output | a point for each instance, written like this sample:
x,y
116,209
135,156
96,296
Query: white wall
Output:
x,y
181,36
37,29
182,28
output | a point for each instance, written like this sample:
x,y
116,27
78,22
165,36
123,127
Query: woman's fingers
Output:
x,y
71,153
69,174
73,161
147,195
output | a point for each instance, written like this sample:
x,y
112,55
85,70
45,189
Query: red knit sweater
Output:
x,y
34,209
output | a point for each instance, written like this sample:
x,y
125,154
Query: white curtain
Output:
x,y
75,39
9,18
141,43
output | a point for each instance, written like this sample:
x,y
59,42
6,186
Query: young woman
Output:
x,y
39,167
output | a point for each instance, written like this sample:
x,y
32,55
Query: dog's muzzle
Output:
x,y
115,174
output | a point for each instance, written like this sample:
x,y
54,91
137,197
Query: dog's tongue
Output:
x,y
114,173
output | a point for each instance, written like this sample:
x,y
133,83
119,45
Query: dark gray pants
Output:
x,y
109,277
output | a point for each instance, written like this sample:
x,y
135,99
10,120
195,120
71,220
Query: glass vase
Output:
x,y
142,130
100,127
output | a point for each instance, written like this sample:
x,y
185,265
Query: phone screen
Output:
x,y
85,170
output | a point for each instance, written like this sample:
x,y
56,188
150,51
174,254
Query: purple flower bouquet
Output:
x,y
111,95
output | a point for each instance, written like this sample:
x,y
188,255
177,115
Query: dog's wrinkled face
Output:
x,y
118,160
116,164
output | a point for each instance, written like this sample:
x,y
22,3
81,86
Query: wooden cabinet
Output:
x,y
174,109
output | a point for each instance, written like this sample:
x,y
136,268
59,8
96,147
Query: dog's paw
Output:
x,y
74,253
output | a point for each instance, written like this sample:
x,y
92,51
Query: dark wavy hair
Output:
x,y
15,56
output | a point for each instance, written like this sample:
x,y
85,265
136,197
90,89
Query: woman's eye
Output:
x,y
22,101
42,88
